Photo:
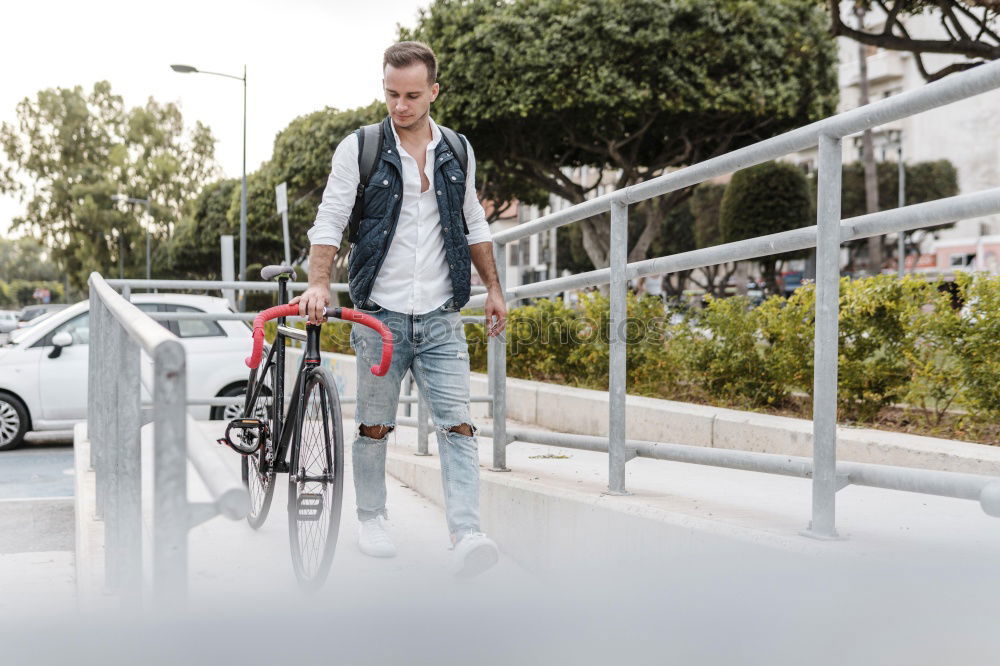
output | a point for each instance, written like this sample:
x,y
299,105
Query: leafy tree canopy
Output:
x,y
970,29
633,87
925,181
302,154
70,151
765,199
301,157
26,259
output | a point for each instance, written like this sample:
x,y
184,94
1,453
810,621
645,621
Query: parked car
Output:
x,y
8,321
30,312
790,281
43,385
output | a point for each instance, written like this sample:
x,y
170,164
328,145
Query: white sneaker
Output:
x,y
474,554
374,540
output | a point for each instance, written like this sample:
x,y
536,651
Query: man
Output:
x,y
420,228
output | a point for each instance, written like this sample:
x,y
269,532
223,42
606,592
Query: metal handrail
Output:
x,y
911,217
214,285
827,236
120,333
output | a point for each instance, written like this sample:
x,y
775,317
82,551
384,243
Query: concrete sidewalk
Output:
x,y
229,558
554,501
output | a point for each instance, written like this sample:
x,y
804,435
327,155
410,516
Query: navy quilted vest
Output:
x,y
382,203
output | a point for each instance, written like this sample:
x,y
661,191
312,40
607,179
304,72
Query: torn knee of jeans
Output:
x,y
380,431
466,429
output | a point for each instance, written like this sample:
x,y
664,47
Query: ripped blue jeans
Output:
x,y
433,345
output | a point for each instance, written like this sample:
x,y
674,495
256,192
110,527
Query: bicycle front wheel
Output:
x,y
316,479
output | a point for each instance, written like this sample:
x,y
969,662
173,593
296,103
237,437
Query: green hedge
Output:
x,y
931,346
15,294
901,342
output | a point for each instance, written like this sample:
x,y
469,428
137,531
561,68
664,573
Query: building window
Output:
x,y
961,260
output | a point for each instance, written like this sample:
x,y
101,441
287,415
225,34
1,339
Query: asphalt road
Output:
x,y
37,470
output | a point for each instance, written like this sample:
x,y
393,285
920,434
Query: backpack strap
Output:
x,y
456,142
369,143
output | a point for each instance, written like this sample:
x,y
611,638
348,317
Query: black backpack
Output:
x,y
369,143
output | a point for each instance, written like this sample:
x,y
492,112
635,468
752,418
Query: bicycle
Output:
x,y
306,442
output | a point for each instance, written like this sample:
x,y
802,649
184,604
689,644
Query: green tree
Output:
x,y
26,259
633,87
925,181
194,251
706,205
301,157
765,199
70,151
971,30
675,234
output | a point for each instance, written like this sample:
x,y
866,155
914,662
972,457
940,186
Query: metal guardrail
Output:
x,y
120,332
127,285
828,476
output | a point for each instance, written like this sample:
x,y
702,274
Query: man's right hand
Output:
x,y
313,302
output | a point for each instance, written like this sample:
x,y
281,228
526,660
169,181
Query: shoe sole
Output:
x,y
477,561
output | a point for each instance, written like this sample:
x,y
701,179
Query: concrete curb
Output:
x,y
537,524
89,559
585,412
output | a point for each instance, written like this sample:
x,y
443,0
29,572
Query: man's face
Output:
x,y
408,95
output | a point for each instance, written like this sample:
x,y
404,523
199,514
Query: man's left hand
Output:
x,y
496,312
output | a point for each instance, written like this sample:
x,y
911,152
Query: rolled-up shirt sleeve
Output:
x,y
338,198
475,216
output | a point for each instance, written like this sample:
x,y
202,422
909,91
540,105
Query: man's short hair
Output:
x,y
404,54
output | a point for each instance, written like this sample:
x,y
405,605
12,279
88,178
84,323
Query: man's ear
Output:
x,y
435,89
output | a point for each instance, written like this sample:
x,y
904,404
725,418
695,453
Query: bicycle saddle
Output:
x,y
271,272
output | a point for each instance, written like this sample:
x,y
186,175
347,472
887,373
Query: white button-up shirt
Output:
x,y
414,277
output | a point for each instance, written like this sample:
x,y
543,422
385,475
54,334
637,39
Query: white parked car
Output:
x,y
44,387
8,321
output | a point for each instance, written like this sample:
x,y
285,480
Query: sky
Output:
x,y
301,56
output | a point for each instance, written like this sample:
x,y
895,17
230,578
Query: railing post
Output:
x,y
824,485
130,470
408,392
497,351
111,340
490,372
170,505
102,406
423,425
93,363
617,456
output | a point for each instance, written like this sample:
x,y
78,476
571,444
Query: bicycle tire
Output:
x,y
314,506
260,484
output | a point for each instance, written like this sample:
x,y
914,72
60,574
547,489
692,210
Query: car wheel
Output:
x,y
13,422
229,412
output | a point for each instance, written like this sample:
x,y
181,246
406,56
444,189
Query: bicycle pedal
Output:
x,y
309,507
247,424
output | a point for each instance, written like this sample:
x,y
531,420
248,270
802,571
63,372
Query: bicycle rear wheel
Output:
x,y
258,467
316,479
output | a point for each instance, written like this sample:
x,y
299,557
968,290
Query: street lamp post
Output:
x,y
895,138
188,69
144,202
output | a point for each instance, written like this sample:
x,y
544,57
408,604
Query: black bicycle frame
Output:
x,y
282,434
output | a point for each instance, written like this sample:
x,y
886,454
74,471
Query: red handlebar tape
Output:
x,y
344,313
348,314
